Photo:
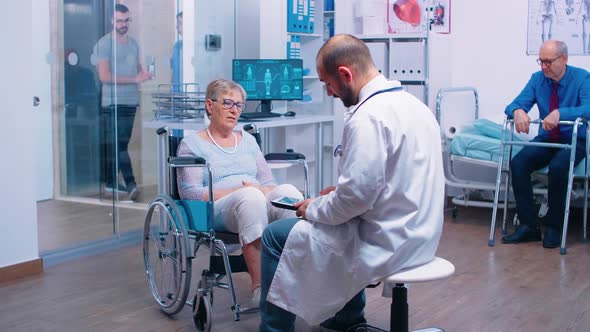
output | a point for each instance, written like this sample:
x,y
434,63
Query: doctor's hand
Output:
x,y
327,190
302,206
552,120
521,121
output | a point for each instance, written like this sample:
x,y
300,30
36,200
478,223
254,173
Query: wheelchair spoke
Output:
x,y
165,256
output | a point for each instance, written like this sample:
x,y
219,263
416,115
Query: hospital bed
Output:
x,y
472,149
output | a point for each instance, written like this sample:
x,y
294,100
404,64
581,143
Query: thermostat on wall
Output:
x,y
212,42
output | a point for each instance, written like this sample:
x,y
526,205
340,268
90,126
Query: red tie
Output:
x,y
553,105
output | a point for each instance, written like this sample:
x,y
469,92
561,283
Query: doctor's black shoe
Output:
x,y
364,327
335,324
551,237
523,233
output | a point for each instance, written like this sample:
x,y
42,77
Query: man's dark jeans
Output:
x,y
116,129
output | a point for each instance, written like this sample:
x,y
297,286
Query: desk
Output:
x,y
300,119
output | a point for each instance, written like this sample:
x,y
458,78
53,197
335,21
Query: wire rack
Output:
x,y
178,101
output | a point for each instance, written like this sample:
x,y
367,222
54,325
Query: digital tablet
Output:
x,y
285,202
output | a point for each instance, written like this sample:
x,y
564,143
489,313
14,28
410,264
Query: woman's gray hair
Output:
x,y
221,86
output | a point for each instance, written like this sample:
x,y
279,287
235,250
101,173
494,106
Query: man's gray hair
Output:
x,y
561,47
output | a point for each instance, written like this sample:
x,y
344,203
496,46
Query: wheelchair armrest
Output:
x,y
284,156
186,161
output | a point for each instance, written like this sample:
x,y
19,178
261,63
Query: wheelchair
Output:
x,y
176,229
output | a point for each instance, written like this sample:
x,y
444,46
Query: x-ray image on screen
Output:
x,y
269,79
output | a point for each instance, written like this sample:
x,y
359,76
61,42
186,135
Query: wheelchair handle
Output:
x,y
186,161
284,156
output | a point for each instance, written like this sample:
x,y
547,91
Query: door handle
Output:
x,y
36,101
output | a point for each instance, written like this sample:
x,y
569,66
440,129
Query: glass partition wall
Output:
x,y
107,59
108,64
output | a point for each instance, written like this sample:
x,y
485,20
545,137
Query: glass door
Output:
x,y
104,157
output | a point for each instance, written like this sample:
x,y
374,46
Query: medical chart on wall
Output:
x,y
440,16
414,16
566,20
407,16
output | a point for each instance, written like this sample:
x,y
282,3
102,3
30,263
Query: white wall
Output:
x,y
213,17
248,28
487,50
18,221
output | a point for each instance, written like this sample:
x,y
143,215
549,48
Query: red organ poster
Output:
x,y
406,16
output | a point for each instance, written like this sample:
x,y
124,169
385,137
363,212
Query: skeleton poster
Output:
x,y
565,20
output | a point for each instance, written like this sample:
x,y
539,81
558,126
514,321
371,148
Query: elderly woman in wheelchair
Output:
x,y
243,184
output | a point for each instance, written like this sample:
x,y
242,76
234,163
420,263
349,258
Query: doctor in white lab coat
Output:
x,y
384,215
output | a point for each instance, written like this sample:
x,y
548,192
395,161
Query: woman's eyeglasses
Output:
x,y
229,104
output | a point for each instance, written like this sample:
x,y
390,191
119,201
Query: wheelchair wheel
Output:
x,y
202,312
166,252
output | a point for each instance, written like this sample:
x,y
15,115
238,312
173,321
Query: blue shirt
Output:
x,y
176,65
573,93
245,163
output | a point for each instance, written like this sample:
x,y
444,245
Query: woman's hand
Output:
x,y
265,189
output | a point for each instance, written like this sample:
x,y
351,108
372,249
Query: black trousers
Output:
x,y
116,130
532,158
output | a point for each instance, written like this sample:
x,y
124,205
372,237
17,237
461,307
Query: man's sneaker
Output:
x,y
134,193
109,189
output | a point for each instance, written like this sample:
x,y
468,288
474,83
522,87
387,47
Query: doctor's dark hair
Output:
x,y
221,86
345,50
121,8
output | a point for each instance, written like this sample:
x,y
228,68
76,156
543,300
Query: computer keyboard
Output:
x,y
258,115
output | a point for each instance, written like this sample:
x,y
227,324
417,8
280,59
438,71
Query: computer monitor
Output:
x,y
269,79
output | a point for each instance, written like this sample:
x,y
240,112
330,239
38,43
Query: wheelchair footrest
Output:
x,y
237,264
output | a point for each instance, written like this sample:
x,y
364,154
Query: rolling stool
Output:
x,y
393,286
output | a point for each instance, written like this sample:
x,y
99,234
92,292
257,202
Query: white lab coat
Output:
x,y
385,215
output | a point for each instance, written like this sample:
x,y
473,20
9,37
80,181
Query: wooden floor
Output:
x,y
503,288
68,223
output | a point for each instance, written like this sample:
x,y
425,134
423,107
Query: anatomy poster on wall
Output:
x,y
440,16
406,16
566,20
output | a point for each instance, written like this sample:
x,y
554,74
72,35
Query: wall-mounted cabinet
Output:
x,y
399,49
402,58
279,38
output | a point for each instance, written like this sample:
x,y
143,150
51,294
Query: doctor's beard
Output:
x,y
347,95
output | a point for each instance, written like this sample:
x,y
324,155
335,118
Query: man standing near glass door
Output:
x,y
116,56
